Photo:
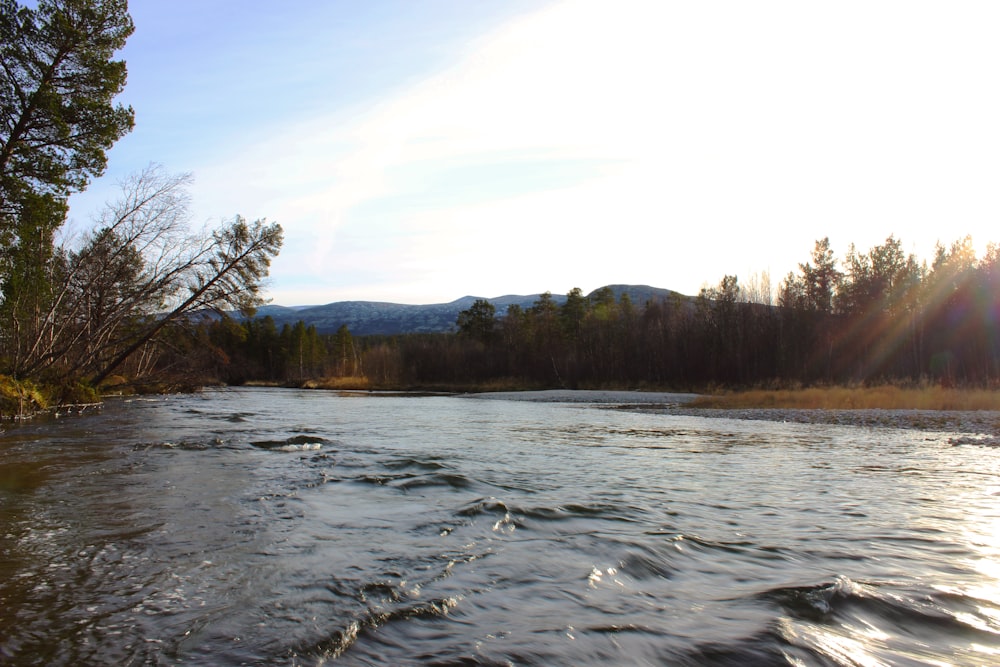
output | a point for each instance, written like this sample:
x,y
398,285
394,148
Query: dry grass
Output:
x,y
342,383
503,384
857,398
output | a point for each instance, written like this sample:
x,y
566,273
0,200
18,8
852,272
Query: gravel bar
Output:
x,y
979,427
959,421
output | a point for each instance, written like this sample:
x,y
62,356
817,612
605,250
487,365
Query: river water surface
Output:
x,y
283,527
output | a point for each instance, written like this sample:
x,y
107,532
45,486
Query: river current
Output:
x,y
285,527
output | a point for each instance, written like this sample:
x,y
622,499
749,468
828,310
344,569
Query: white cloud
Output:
x,y
731,135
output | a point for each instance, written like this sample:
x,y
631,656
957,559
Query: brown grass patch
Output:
x,y
857,398
342,383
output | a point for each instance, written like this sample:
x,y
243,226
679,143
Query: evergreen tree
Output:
x,y
58,81
572,312
479,321
344,352
821,277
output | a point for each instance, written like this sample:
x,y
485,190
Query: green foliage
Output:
x,y
121,299
31,269
19,398
57,86
240,259
58,80
74,392
304,351
814,290
479,321
573,311
344,353
882,280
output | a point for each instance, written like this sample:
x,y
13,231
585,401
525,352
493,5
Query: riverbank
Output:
x,y
885,397
615,397
974,426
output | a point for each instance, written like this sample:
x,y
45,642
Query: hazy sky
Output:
x,y
417,151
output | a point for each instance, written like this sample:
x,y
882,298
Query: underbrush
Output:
x,y
20,398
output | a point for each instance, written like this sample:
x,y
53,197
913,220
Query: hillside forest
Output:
x,y
873,316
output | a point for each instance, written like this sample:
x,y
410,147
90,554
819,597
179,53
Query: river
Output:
x,y
284,527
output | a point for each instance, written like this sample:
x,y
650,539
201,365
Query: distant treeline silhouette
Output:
x,y
875,316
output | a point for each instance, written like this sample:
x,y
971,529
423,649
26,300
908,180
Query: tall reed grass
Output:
x,y
887,397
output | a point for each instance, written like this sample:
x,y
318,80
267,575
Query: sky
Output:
x,y
417,151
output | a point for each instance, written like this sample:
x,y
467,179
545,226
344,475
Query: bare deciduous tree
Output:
x,y
140,269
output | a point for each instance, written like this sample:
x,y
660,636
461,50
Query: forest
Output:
x,y
143,301
875,316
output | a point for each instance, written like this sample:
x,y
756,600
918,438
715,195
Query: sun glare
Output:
x,y
708,140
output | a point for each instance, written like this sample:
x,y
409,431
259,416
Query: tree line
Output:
x,y
75,310
874,316
143,296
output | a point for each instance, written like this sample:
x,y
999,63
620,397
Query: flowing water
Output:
x,y
282,527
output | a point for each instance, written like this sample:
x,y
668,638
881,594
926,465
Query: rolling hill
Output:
x,y
364,318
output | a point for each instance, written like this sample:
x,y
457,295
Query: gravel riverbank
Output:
x,y
660,398
970,427
983,423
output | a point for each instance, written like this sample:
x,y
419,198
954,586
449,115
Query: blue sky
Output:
x,y
418,151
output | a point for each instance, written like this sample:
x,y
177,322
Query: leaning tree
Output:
x,y
58,118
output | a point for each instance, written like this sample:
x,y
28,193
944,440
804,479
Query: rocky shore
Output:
x,y
981,423
970,427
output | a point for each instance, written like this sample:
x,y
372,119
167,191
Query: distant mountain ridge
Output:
x,y
366,318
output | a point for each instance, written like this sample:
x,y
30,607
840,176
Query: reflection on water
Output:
x,y
981,532
286,527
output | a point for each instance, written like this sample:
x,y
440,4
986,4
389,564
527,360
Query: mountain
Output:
x,y
365,318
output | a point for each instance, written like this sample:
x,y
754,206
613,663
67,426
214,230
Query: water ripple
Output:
x,y
281,527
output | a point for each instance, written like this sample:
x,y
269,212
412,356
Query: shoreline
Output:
x,y
592,396
980,427
971,426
